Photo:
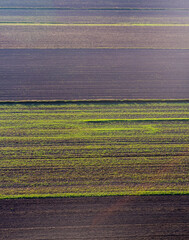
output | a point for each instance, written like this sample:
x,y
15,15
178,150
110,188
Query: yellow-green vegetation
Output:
x,y
94,148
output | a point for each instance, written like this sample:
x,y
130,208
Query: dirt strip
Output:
x,y
95,4
129,217
67,74
84,36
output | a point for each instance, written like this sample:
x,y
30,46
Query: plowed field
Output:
x,y
125,218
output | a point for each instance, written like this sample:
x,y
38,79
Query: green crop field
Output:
x,y
94,148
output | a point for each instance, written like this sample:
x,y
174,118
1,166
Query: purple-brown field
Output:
x,y
97,3
124,218
80,16
93,36
93,74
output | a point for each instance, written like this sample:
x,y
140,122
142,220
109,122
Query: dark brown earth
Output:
x,y
129,217
93,74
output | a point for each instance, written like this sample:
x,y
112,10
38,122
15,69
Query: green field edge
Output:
x,y
97,194
135,120
91,101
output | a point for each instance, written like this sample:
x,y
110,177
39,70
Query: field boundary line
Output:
x,y
100,101
95,24
96,8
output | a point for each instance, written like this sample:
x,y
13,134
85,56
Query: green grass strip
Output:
x,y
96,194
135,120
78,159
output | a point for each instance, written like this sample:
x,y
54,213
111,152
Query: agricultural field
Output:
x,y
102,4
93,16
94,24
74,166
94,148
70,50
115,217
71,74
79,36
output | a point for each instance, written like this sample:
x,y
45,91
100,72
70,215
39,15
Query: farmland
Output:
x,y
71,50
95,4
73,166
52,36
70,74
94,148
79,16
117,217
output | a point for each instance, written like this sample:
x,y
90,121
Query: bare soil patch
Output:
x,y
54,36
28,74
129,217
96,4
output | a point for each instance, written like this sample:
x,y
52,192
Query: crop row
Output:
x,y
88,148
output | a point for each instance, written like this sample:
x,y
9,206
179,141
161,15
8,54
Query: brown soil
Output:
x,y
129,217
27,74
53,37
